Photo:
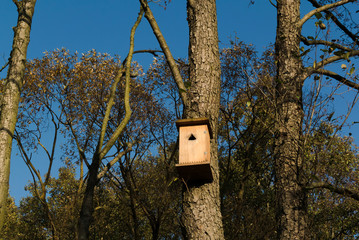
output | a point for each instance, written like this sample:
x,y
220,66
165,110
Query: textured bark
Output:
x,y
201,202
87,207
11,95
291,198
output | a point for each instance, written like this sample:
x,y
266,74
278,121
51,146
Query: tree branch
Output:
x,y
7,63
342,191
337,22
337,77
272,3
321,9
110,103
153,52
325,43
103,151
113,161
28,162
332,59
81,151
171,62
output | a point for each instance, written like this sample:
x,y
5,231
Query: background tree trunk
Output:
x,y
291,199
201,202
87,207
11,95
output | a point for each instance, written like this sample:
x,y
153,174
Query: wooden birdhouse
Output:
x,y
194,149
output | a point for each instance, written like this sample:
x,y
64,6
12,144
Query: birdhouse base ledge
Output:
x,y
191,172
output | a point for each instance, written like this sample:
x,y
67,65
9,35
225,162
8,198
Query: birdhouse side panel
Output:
x,y
194,144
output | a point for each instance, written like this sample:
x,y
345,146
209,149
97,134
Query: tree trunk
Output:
x,y
291,198
201,202
11,95
87,207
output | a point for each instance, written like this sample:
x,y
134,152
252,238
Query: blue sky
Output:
x,y
104,25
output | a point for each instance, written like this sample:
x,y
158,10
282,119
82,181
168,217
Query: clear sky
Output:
x,y
104,25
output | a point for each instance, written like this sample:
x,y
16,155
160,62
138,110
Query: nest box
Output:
x,y
194,149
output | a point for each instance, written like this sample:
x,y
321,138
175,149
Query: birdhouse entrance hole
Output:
x,y
194,149
192,138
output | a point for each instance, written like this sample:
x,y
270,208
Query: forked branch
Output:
x,y
103,151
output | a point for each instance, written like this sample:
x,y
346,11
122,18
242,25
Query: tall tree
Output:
x,y
289,120
11,94
201,204
201,216
291,74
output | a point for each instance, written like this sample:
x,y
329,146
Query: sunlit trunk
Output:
x,y
201,202
291,198
11,95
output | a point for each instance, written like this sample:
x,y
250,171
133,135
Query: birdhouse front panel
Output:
x,y
194,144
194,162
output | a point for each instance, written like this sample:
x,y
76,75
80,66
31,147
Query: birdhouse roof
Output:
x,y
194,122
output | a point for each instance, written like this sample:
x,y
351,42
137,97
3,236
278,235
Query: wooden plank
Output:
x,y
197,149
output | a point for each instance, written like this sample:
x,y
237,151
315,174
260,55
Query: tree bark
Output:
x,y
201,201
87,207
291,197
11,95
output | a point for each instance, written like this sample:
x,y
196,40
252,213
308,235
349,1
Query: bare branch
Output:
x,y
321,9
339,190
110,103
81,151
113,161
4,66
153,52
337,77
171,62
325,43
103,151
28,162
272,3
